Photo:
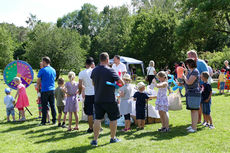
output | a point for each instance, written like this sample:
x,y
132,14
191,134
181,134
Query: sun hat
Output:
x,y
222,70
140,85
7,90
126,77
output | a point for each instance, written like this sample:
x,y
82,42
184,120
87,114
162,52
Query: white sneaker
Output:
x,y
207,125
191,130
211,126
188,128
204,123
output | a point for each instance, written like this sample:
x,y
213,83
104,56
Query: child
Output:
x,y
126,101
23,100
180,72
206,100
71,101
140,97
222,80
60,96
9,102
38,102
162,100
170,83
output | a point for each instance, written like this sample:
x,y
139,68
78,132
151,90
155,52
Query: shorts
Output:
x,y
89,105
60,109
206,108
140,112
111,108
127,117
21,109
222,85
10,111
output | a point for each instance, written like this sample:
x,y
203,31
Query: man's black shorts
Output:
x,y
88,105
111,108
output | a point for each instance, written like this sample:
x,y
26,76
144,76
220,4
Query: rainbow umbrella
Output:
x,y
18,69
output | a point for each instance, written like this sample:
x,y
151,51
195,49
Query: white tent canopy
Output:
x,y
127,61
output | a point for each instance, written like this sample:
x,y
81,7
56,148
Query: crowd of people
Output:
x,y
115,100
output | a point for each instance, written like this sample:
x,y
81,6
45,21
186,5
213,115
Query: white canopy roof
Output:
x,y
129,60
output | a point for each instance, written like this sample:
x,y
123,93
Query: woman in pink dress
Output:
x,y
22,100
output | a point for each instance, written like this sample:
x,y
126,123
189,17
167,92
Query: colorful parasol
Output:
x,y
18,69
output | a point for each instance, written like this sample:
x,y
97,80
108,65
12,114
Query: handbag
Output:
x,y
174,100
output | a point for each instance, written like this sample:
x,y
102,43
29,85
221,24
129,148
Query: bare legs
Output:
x,y
164,119
208,119
200,113
76,119
127,124
59,118
97,127
70,120
194,118
113,128
90,121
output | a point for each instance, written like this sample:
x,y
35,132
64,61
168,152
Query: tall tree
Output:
x,y
203,22
153,37
61,45
114,32
85,21
6,47
32,21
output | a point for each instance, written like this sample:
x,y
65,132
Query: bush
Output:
x,y
216,59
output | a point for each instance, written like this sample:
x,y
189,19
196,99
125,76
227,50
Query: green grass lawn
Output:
x,y
28,137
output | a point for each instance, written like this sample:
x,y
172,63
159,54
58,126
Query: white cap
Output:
x,y
140,85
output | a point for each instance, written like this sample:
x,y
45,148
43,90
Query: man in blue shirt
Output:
x,y
202,67
46,83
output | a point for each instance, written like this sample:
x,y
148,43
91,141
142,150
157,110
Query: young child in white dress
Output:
x,y
126,101
162,100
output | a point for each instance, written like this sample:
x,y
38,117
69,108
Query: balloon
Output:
x,y
180,72
176,86
115,84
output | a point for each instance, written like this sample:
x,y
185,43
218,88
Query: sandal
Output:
x,y
69,129
76,128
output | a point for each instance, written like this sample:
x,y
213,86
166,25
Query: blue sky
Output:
x,y
17,11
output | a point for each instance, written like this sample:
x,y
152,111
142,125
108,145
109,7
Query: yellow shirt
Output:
x,y
221,77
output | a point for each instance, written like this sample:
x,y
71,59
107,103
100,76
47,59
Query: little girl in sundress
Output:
x,y
71,89
126,101
162,100
22,100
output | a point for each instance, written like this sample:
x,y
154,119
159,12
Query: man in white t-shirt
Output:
x,y
86,82
119,67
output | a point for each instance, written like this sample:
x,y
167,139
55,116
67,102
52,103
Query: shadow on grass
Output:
x,y
177,131
81,149
42,130
65,135
22,127
4,122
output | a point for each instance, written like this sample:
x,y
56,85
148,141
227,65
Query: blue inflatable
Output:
x,y
171,80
